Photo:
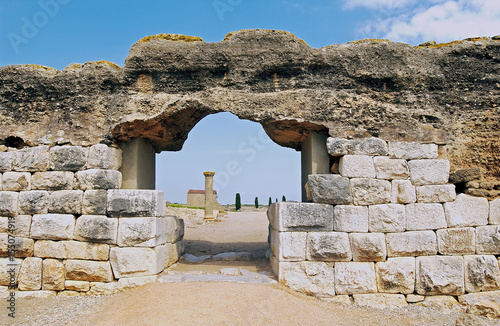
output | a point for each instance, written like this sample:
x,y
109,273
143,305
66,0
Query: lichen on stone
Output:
x,y
229,35
370,40
433,44
75,66
51,70
171,37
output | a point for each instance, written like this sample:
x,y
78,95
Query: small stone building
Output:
x,y
196,198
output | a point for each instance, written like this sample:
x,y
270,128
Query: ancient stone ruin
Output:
x,y
400,164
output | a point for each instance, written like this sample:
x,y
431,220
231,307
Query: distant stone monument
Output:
x,y
210,199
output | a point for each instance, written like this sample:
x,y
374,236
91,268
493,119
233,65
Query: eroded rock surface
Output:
x,y
434,93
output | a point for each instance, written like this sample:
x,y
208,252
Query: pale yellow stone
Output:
x,y
80,286
52,275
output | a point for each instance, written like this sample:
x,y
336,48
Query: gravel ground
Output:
x,y
219,303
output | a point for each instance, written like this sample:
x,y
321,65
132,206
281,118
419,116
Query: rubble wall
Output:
x,y
387,229
66,227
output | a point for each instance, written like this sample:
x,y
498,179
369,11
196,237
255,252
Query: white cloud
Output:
x,y
439,20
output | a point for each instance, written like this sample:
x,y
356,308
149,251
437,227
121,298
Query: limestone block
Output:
x,y
481,273
368,246
495,211
136,203
414,298
99,179
9,270
22,225
311,278
174,229
467,211
413,243
9,203
87,270
68,158
488,240
396,275
412,151
23,246
52,227
141,231
437,275
66,202
328,246
330,189
286,216
30,274
35,294
436,193
96,228
99,288
31,159
429,172
389,168
403,192
422,216
380,300
369,146
16,181
71,250
445,303
6,161
355,278
386,218
344,300
173,252
459,241
131,262
69,294
485,309
81,286
52,275
370,191
52,180
289,246
357,166
130,282
104,157
95,202
483,303
33,202
347,218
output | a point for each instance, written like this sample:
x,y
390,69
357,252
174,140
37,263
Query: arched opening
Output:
x,y
246,162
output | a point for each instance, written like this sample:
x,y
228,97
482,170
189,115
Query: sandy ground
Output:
x,y
220,303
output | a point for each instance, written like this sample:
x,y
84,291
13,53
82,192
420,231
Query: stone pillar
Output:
x,y
209,195
314,158
139,165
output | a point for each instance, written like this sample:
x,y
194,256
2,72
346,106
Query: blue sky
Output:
x,y
56,33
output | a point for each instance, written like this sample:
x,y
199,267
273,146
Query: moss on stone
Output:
x,y
171,37
229,35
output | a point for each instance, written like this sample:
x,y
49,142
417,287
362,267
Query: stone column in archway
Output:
x,y
314,158
209,195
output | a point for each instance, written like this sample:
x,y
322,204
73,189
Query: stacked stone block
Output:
x,y
76,232
387,228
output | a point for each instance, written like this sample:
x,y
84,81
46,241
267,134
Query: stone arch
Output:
x,y
168,131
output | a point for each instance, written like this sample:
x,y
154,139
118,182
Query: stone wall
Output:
x,y
387,230
74,230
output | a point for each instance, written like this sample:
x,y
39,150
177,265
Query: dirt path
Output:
x,y
219,303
